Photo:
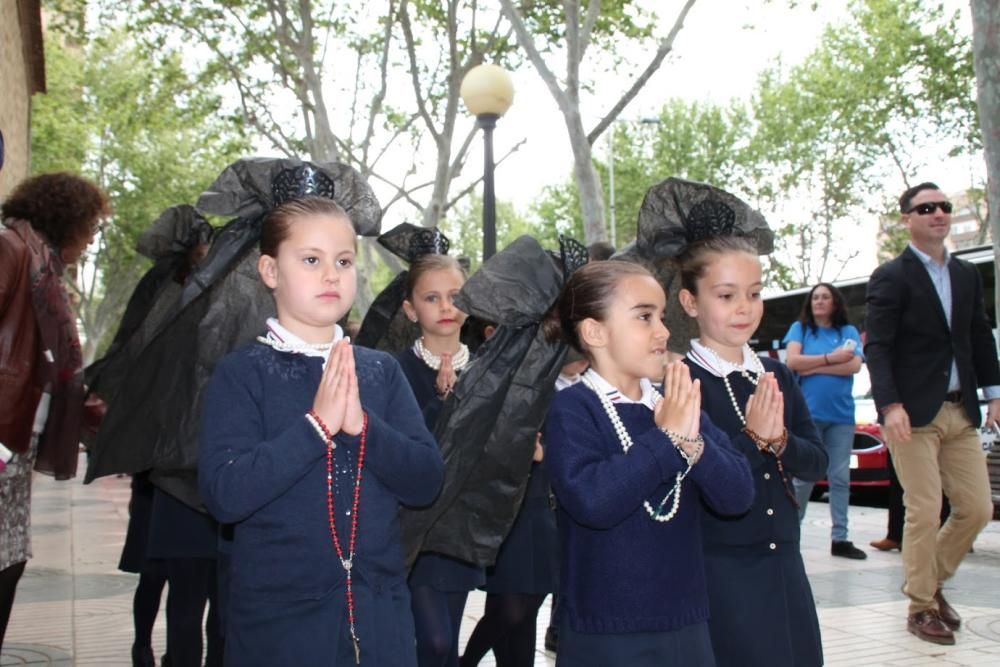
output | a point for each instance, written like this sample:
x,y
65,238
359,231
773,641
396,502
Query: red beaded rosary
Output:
x,y
347,563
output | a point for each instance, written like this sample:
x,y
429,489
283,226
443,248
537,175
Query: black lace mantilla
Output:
x,y
709,218
300,181
573,255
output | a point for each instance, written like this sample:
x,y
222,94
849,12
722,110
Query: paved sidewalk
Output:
x,y
74,607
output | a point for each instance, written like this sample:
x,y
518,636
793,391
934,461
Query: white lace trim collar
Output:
x,y
285,339
707,358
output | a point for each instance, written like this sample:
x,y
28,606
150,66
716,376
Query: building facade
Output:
x,y
22,74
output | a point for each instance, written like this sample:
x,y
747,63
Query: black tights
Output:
x,y
145,607
192,584
437,617
508,628
8,586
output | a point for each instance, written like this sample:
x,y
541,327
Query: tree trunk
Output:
x,y
587,182
986,58
442,176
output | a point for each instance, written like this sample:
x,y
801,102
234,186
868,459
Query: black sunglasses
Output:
x,y
928,207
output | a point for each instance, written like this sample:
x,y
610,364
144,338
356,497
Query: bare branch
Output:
x,y
375,108
452,25
459,159
326,38
843,265
527,43
411,52
891,145
593,11
573,52
405,127
666,45
471,186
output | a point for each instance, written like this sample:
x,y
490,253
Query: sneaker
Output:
x,y
846,549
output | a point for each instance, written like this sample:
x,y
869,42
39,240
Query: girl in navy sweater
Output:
x,y
763,614
439,584
630,470
309,446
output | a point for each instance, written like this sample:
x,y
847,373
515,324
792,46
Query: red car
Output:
x,y
869,462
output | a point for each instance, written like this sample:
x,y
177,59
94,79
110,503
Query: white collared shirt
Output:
x,y
566,381
650,397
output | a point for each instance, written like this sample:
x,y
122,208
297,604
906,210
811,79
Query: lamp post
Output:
x,y
488,92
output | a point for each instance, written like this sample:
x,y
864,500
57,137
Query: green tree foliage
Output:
x,y
568,31
464,228
700,141
882,96
146,132
819,147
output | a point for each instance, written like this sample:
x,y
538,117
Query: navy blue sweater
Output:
x,y
621,571
263,467
774,518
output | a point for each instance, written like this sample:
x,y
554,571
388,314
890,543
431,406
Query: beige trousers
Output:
x,y
944,455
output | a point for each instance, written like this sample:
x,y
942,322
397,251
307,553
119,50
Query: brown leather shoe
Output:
x,y
947,613
927,625
885,544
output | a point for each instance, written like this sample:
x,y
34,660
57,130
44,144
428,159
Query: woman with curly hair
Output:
x,y
47,223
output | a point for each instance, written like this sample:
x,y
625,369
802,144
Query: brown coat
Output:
x,y
20,344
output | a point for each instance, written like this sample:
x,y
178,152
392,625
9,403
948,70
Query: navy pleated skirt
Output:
x,y
689,646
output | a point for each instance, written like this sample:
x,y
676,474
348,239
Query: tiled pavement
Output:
x,y
74,607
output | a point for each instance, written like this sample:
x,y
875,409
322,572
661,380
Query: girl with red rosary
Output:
x,y
309,445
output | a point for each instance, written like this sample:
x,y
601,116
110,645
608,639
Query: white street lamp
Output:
x,y
488,92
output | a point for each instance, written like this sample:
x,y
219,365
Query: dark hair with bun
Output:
x,y
426,264
694,259
588,294
274,229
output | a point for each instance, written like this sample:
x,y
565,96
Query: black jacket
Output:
x,y
909,348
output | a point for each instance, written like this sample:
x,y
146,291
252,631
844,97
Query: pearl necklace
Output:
x,y
626,441
299,348
759,370
458,361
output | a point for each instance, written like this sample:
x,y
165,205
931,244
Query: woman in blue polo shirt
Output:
x,y
825,350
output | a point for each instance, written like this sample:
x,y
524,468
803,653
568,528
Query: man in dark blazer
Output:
x,y
929,347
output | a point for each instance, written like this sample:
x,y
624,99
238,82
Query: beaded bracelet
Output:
x,y
775,446
321,430
677,438
694,458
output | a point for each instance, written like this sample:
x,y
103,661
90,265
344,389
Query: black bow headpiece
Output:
x,y
676,212
408,241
